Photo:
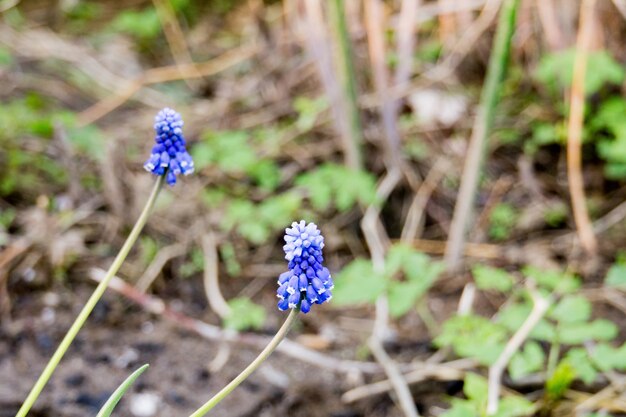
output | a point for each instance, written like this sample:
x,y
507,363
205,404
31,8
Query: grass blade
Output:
x,y
482,126
108,407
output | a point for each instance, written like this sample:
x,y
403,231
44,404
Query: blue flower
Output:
x,y
169,156
307,282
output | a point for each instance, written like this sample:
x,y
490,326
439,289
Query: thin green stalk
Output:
x,y
91,303
273,344
348,76
482,127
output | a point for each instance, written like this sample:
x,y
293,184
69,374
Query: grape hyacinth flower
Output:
x,y
307,282
169,155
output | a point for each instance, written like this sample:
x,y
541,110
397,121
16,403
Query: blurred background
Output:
x,y
449,171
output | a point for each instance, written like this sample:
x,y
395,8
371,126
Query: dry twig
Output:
x,y
292,349
373,231
153,270
451,371
540,306
575,126
164,74
374,19
174,34
211,276
314,32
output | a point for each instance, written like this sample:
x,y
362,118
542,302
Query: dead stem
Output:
x,y
575,126
540,306
164,74
208,331
375,25
175,36
211,276
463,209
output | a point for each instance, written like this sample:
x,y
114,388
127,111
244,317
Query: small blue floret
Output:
x,y
169,154
306,282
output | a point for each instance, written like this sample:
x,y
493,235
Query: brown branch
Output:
x,y
208,331
575,126
164,74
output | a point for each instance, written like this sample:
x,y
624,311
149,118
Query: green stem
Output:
x,y
91,303
273,344
348,79
478,145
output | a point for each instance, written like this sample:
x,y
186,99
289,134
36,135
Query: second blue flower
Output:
x,y
307,281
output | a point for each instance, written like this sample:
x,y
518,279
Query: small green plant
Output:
x,y
502,221
244,315
568,328
325,191
475,390
408,275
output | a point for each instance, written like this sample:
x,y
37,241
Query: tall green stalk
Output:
x,y
273,344
348,75
91,303
482,127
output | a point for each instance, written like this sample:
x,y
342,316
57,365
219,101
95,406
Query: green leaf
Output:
x,y
556,70
420,273
88,139
109,406
231,150
475,389
616,277
6,57
560,381
357,283
528,360
513,316
309,110
488,278
577,333
473,336
143,24
461,408
244,315
202,154
266,173
502,221
332,183
571,309
514,406
404,295
607,358
552,280
580,361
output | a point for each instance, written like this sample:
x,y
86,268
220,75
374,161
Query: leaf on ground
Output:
x,y
581,362
528,360
244,315
488,278
616,277
571,309
358,283
577,333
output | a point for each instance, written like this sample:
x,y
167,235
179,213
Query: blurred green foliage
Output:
x,y
475,390
244,315
31,162
408,275
502,220
333,185
555,71
568,323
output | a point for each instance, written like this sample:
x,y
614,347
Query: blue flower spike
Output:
x,y
169,155
307,282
